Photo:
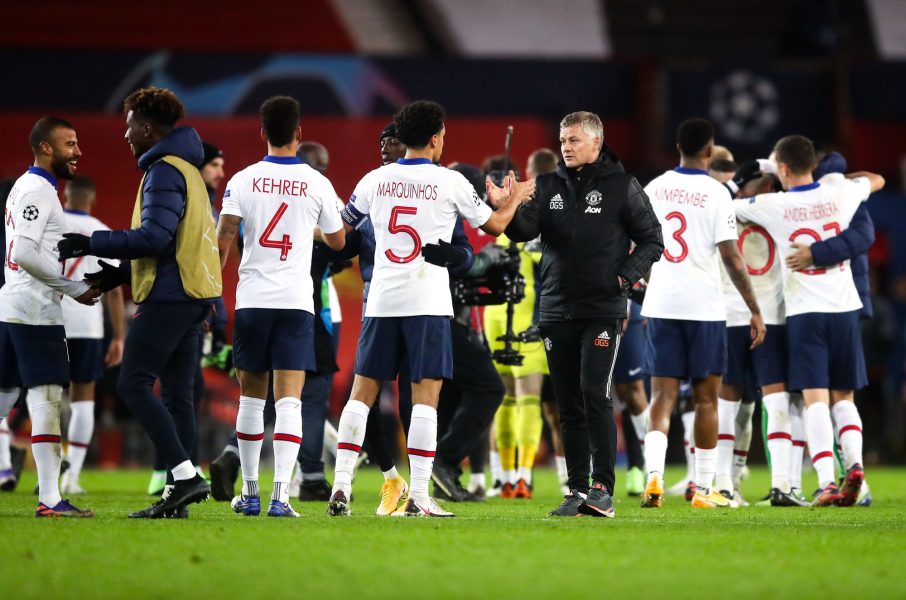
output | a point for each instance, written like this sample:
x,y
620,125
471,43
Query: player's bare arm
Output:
x,y
335,241
739,275
227,227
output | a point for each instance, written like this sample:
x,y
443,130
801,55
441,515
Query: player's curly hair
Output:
x,y
280,117
160,106
418,121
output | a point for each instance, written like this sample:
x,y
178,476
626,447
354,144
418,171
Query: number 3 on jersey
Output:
x,y
678,236
285,244
395,227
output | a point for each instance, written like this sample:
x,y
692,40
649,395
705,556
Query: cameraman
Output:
x,y
587,214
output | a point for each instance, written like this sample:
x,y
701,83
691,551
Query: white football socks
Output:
x,y
8,397
496,467
797,430
44,409
655,453
562,472
287,439
421,446
705,468
350,435
6,462
250,436
820,435
81,428
743,440
780,438
726,439
640,424
849,431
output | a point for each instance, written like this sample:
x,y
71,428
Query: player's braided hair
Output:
x,y
160,106
418,121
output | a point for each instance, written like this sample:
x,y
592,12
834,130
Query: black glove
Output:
x,y
338,266
107,278
443,254
532,334
74,245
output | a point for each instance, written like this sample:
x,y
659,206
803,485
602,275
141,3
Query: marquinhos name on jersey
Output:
x,y
411,203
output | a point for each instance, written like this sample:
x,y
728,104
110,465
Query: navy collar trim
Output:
x,y
805,187
42,173
73,211
282,160
414,161
688,171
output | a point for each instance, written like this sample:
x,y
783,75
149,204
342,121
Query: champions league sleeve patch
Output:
x,y
30,213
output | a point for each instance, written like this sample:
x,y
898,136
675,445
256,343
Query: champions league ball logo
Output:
x,y
30,213
745,106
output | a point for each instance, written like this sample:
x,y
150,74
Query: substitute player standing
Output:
x,y
280,202
822,307
32,338
85,334
684,303
411,202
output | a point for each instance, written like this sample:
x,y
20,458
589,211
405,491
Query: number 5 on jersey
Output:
x,y
285,244
395,227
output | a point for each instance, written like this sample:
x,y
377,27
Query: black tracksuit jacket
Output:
x,y
586,221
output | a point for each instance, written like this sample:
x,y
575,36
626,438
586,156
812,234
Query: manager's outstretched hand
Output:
x,y
74,245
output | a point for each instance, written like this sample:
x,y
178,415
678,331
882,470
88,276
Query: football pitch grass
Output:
x,y
498,549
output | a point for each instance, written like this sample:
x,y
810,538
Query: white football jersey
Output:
x,y
807,214
696,214
280,201
760,253
79,320
411,203
33,211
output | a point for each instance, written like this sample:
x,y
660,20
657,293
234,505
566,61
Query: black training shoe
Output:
x,y
446,483
314,491
779,498
598,503
570,505
179,513
185,491
224,471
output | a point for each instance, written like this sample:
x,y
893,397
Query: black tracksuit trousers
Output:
x,y
581,355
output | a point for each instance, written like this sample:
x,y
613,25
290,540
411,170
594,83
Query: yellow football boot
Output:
x,y
391,493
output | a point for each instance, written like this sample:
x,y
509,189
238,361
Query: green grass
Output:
x,y
500,549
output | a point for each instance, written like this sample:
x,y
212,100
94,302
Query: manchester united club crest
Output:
x,y
594,198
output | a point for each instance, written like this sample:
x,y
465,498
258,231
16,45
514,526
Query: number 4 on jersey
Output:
x,y
285,244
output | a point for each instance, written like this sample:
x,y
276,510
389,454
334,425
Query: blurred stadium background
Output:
x,y
834,70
